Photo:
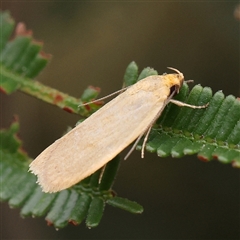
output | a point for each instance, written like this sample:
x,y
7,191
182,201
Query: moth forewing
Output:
x,y
103,135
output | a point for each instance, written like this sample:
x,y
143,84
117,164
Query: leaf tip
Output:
x,y
202,158
236,164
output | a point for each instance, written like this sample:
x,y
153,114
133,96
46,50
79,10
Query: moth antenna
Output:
x,y
100,99
174,69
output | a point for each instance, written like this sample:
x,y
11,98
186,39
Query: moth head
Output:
x,y
176,80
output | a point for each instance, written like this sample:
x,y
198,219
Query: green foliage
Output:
x,y
210,133
22,58
84,200
213,132
21,55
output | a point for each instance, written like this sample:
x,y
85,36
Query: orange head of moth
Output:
x,y
175,79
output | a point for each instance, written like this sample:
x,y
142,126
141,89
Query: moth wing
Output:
x,y
98,139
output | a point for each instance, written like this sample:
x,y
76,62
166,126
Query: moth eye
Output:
x,y
174,90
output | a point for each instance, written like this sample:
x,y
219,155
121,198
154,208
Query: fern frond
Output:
x,y
211,133
22,59
85,200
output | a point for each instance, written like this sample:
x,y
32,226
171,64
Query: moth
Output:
x,y
99,138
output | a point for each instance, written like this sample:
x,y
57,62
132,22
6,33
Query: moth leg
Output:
x,y
145,141
147,130
101,175
134,146
189,81
136,142
182,104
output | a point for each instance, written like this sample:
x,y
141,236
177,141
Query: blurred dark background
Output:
x,y
92,43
